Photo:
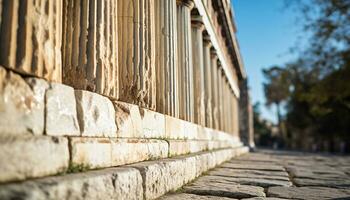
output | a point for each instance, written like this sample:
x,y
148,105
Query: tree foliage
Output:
x,y
316,86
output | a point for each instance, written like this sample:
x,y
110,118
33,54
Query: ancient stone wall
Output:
x,y
91,84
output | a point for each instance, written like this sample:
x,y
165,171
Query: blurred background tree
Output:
x,y
316,86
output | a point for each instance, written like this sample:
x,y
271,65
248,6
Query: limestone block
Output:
x,y
24,157
174,128
180,147
61,112
96,114
167,175
106,152
22,104
128,120
153,124
30,37
113,183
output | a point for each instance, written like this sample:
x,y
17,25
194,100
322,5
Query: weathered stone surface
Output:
x,y
22,104
339,182
61,112
114,183
153,124
180,147
263,198
106,152
246,181
96,114
183,196
270,167
90,43
254,174
128,120
308,193
30,37
170,174
136,53
225,190
24,157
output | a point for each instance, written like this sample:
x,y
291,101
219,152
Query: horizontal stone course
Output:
x,y
170,174
113,183
107,152
23,157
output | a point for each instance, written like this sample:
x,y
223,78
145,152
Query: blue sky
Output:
x,y
265,33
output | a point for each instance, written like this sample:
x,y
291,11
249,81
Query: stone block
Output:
x,y
183,196
22,104
180,147
113,183
174,128
107,152
153,124
24,157
128,120
96,114
167,175
61,112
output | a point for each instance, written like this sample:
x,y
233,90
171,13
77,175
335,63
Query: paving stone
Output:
x,y
245,181
96,114
113,183
183,196
224,190
28,156
246,174
308,193
341,182
263,198
252,166
251,173
107,152
61,112
22,104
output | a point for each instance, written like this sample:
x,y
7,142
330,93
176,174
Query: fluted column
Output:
x,y
136,52
31,37
90,46
198,69
185,74
214,85
166,68
208,71
220,96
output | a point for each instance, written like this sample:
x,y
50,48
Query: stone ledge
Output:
x,y
160,177
146,180
113,183
24,157
108,152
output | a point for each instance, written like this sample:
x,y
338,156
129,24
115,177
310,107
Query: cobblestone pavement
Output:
x,y
273,175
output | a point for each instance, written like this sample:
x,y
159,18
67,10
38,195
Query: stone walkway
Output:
x,y
273,175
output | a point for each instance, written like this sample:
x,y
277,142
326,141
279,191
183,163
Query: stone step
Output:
x,y
144,180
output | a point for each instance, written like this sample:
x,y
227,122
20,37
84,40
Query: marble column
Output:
x,y
214,85
136,52
208,71
185,65
31,37
198,69
90,46
245,110
166,52
220,104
